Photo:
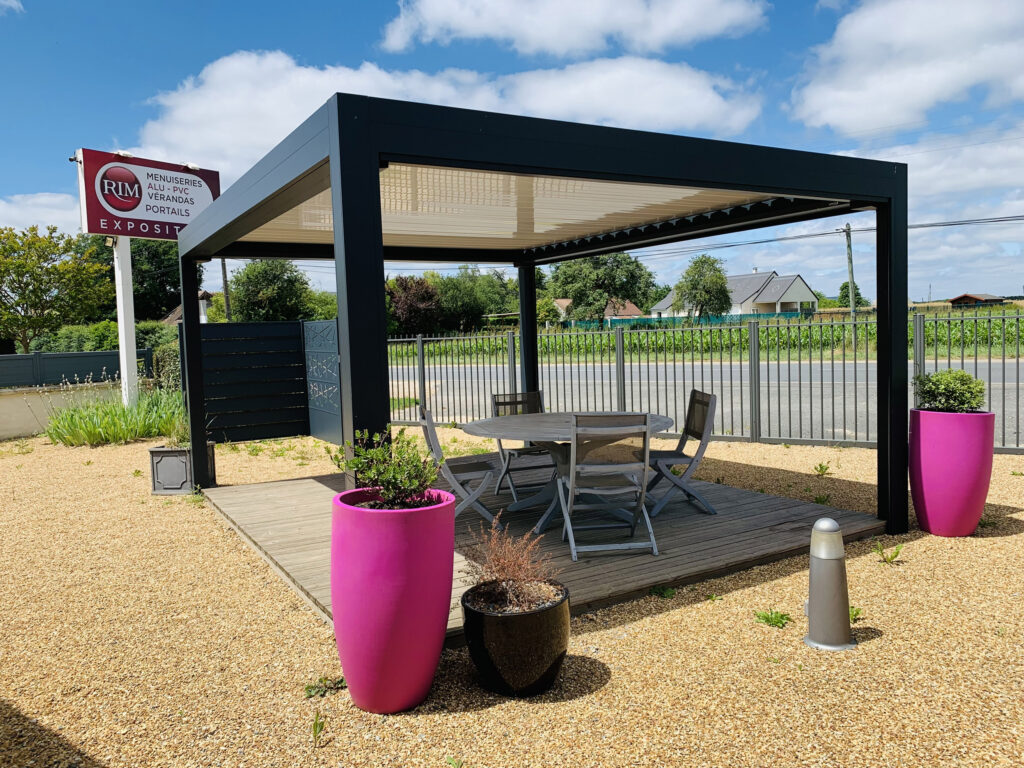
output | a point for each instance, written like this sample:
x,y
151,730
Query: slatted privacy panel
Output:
x,y
254,380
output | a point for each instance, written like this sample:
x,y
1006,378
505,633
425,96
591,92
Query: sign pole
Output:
x,y
126,320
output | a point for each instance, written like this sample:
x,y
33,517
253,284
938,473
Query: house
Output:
x,y
616,309
976,300
174,316
757,293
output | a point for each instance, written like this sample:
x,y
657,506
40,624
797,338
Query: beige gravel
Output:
x,y
140,631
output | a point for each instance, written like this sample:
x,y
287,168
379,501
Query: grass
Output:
x,y
887,557
664,592
324,686
109,422
398,403
773,618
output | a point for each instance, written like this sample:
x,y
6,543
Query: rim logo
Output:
x,y
120,188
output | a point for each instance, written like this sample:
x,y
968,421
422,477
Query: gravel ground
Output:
x,y
140,631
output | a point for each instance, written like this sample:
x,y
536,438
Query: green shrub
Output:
x,y
167,366
157,413
102,336
950,390
396,468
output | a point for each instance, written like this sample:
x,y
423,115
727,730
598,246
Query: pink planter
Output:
x,y
950,469
391,591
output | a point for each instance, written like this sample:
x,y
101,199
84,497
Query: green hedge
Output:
x,y
167,366
102,336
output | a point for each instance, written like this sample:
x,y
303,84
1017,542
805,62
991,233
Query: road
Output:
x,y
805,400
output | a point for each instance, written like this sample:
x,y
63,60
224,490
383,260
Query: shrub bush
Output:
x,y
950,390
157,413
102,336
167,366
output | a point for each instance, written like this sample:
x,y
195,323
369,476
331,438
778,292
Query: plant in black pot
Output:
x,y
516,617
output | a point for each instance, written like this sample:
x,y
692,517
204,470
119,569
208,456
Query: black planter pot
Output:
x,y
517,654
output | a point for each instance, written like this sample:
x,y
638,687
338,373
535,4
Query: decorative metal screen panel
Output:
x,y
322,381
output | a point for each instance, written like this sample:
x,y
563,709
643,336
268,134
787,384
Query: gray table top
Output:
x,y
551,427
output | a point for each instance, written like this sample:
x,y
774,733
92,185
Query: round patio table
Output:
x,y
548,430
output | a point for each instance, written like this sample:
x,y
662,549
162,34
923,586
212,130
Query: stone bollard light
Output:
x,y
828,606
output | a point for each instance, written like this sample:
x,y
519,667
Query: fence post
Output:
x,y
754,368
620,367
37,368
421,371
511,344
918,350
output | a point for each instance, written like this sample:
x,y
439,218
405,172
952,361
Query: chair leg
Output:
x,y
694,496
505,463
567,524
650,529
545,519
471,499
672,491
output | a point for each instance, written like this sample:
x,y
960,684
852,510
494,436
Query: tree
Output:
x,y
824,302
414,305
547,311
591,282
269,290
46,281
321,305
844,295
703,290
156,280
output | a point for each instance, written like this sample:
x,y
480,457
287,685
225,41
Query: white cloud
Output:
x,y
241,105
11,5
40,209
572,28
890,61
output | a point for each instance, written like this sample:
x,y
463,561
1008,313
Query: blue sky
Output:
x,y
936,84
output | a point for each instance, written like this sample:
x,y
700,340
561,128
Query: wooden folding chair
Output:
x,y
607,473
510,405
458,476
700,418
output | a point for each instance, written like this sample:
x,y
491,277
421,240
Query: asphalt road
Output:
x,y
805,400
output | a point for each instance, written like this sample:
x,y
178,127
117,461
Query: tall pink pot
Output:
x,y
950,469
391,591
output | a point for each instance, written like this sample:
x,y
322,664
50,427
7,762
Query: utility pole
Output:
x,y
227,296
849,272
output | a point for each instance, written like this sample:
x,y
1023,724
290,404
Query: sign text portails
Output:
x,y
135,197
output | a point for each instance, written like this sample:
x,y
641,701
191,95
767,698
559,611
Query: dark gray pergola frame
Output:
x,y
346,142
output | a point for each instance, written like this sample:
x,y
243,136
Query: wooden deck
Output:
x,y
289,523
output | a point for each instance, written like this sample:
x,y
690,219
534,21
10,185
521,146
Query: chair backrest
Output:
x,y
610,445
430,435
700,420
700,414
515,404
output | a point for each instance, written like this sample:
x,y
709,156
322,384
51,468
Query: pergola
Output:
x,y
365,180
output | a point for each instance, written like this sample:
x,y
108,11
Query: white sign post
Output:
x,y
125,320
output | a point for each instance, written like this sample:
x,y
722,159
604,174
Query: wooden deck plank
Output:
x,y
289,523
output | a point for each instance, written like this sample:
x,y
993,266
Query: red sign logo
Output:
x,y
120,188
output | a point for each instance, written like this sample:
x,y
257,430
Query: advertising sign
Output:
x,y
133,197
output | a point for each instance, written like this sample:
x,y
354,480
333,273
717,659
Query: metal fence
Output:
x,y
796,382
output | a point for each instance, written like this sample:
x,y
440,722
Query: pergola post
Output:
x,y
192,372
359,273
891,268
529,371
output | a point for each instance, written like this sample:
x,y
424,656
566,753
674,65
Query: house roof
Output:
x,y
614,308
764,287
978,297
174,316
622,308
743,287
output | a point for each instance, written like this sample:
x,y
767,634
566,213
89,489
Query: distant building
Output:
x,y
757,293
174,316
976,300
616,309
